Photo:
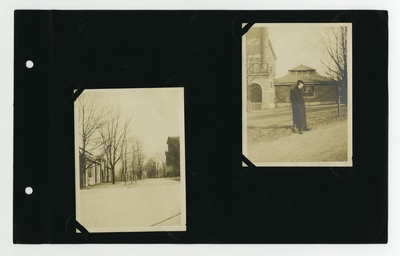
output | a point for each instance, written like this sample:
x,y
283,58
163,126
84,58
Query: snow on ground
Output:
x,y
146,203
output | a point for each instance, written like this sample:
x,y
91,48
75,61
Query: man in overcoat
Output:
x,y
299,107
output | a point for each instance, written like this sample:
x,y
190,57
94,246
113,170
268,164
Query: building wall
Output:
x,y
267,94
173,156
324,94
98,174
259,45
93,174
259,50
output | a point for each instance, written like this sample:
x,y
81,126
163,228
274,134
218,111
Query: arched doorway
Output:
x,y
254,93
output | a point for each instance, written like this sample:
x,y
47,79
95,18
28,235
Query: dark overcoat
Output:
x,y
298,107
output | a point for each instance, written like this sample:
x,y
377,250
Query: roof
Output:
x,y
172,138
313,78
302,67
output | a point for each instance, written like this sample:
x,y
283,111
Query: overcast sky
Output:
x,y
156,113
295,44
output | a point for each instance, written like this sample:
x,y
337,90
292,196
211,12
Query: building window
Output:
x,y
309,91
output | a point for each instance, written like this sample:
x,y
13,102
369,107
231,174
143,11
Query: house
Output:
x,y
92,169
317,89
260,70
173,156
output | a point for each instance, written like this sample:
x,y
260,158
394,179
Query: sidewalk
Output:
x,y
119,184
129,184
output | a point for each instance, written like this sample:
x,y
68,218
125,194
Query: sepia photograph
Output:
x,y
130,160
297,94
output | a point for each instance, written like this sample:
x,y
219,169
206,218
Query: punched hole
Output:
x,y
29,64
28,190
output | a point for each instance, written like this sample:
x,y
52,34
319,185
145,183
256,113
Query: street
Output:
x,y
147,203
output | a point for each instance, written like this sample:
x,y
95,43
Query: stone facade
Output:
x,y
260,69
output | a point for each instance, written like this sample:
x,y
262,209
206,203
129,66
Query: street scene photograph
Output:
x,y
297,94
130,169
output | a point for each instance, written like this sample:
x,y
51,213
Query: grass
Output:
x,y
271,125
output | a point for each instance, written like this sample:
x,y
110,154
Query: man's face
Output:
x,y
301,85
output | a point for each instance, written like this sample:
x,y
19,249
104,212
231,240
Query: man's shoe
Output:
x,y
300,132
307,129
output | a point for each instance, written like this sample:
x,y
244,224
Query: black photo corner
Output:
x,y
201,51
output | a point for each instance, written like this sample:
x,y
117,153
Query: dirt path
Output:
x,y
321,144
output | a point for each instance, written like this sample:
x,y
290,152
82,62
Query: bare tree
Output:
x,y
162,165
124,153
136,159
90,117
157,166
133,162
150,168
139,158
113,139
334,41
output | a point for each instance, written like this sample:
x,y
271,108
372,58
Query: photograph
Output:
x,y
130,160
297,94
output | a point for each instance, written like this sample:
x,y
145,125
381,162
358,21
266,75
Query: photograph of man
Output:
x,y
298,108
286,91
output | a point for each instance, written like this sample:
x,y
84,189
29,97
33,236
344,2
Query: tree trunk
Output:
x,y
338,99
125,168
125,176
113,174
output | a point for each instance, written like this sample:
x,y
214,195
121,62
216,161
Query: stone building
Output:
x,y
260,69
317,89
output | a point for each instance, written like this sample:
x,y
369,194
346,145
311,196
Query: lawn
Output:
x,y
269,125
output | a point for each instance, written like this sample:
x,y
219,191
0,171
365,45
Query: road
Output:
x,y
147,203
322,144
